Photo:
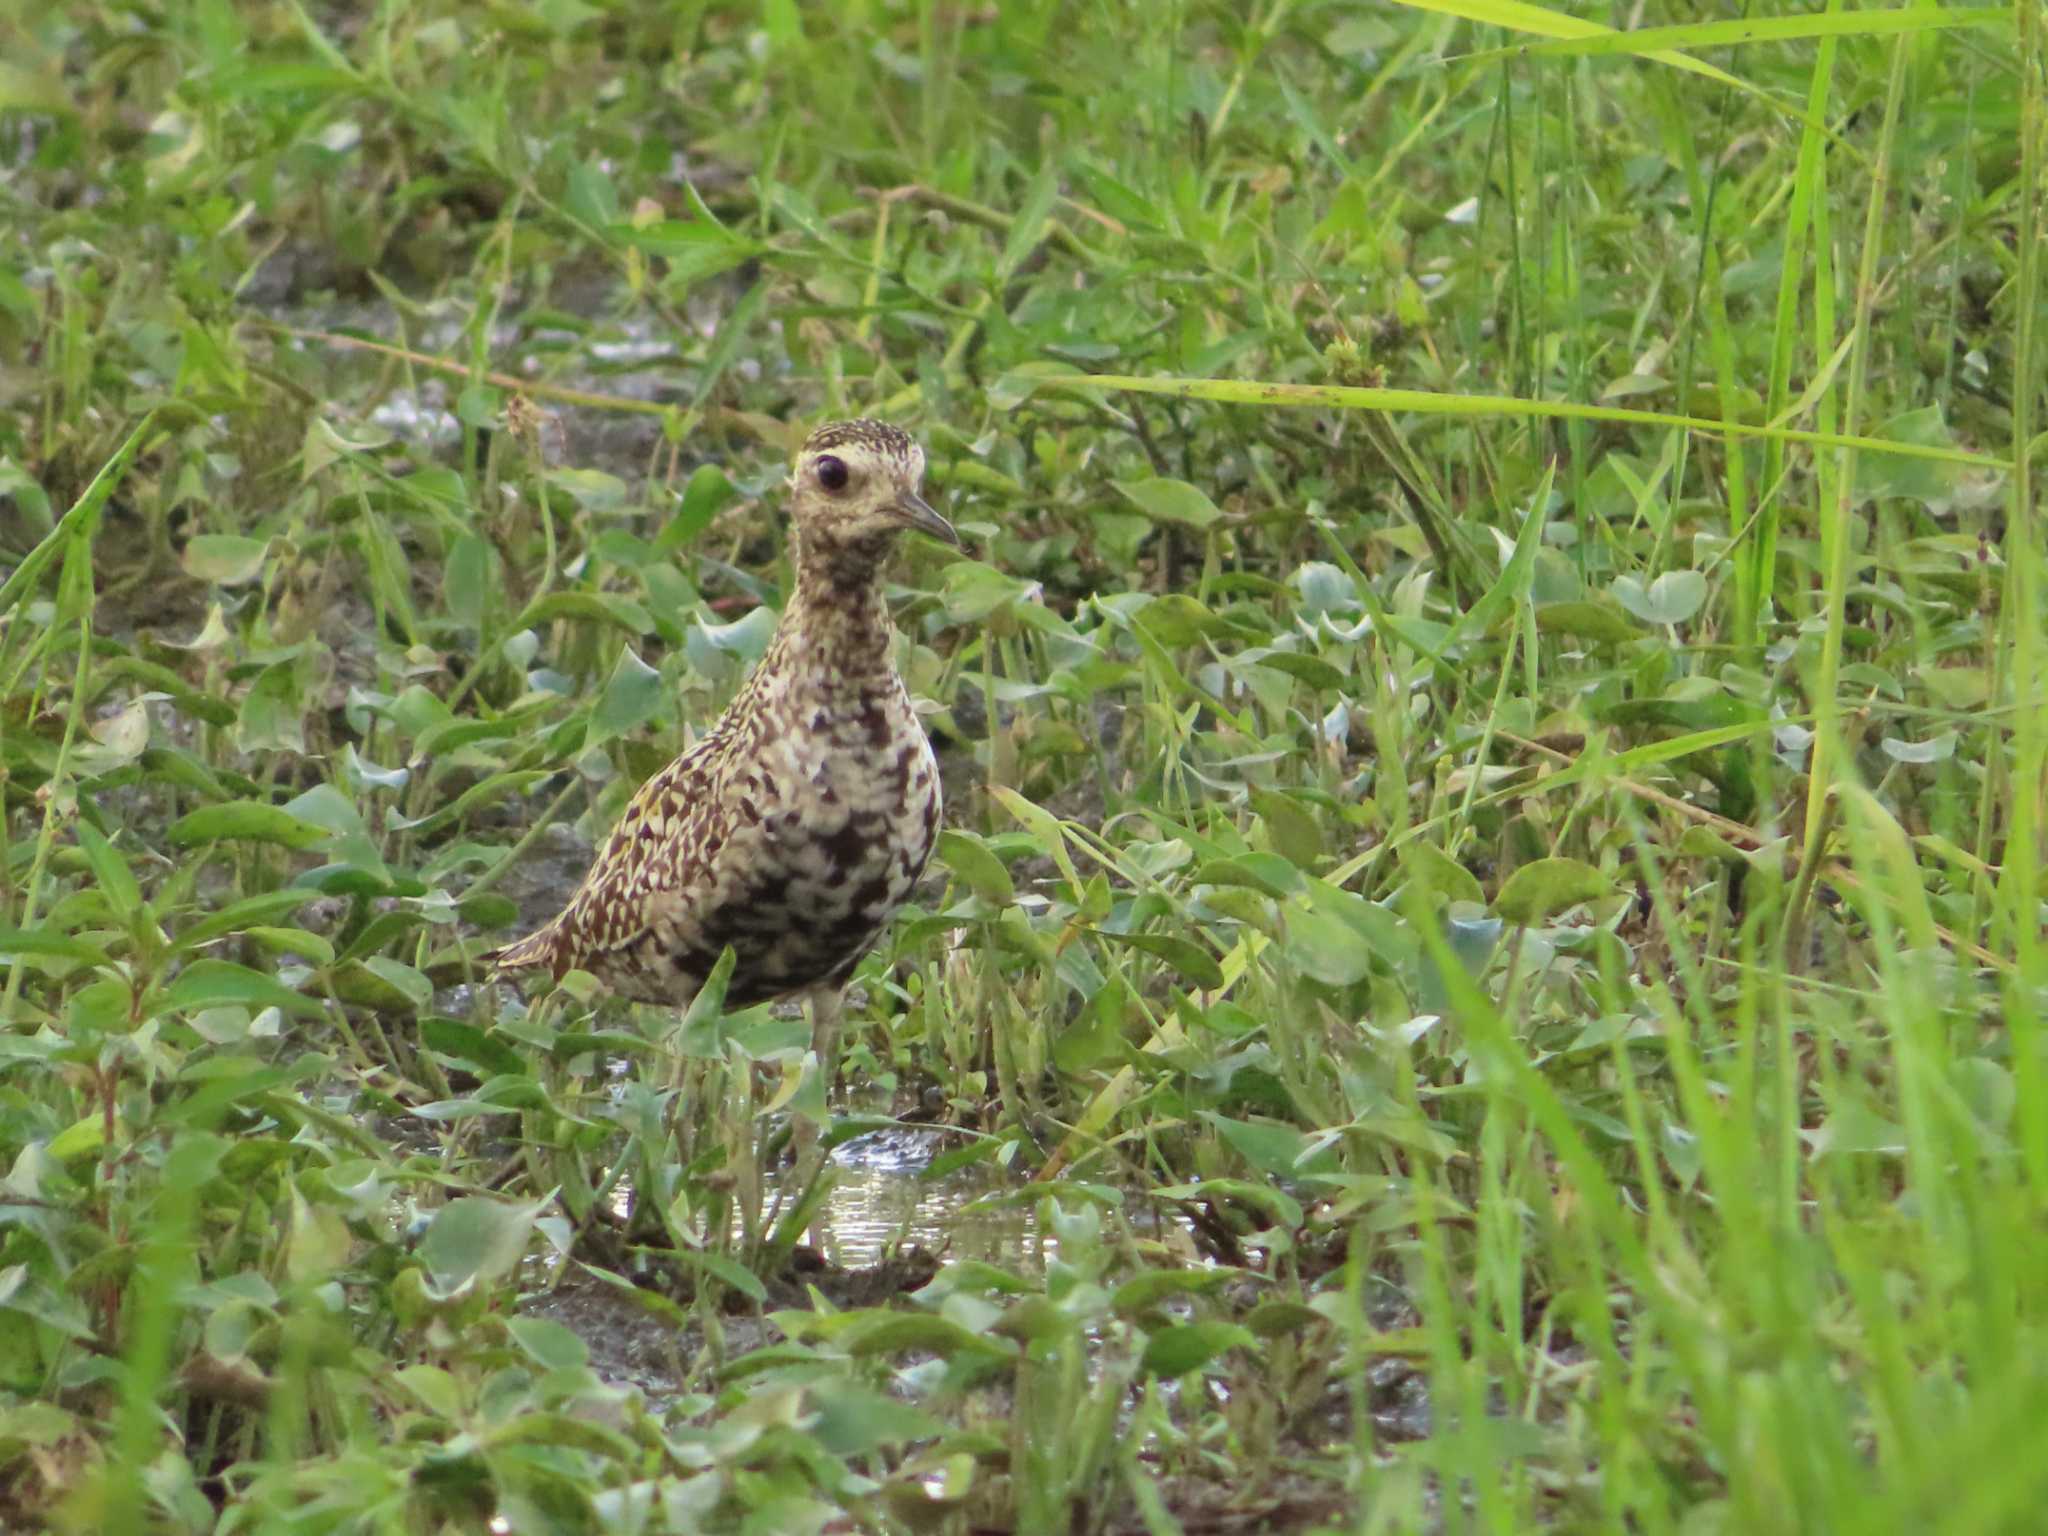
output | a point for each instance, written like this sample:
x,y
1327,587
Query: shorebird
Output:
x,y
795,829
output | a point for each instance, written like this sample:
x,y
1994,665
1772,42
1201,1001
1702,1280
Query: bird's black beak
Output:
x,y
917,513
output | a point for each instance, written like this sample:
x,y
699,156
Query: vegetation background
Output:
x,y
1486,971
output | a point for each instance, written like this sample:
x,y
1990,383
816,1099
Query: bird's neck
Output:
x,y
836,618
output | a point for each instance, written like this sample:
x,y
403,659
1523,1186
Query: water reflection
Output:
x,y
882,1203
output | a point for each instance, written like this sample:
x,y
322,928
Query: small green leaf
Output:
x,y
1601,623
1265,872
1313,670
410,986
728,1271
973,593
467,579
1441,874
630,698
1193,962
466,1043
892,1333
250,912
1271,1319
317,1240
1275,1149
1323,947
1188,1347
547,1343
227,559
1324,588
1672,598
1936,749
117,881
1171,501
272,716
215,983
1291,825
701,1033
589,607
1177,620
82,1136
975,864
1149,1289
745,638
709,489
475,1240
15,942
1027,226
594,489
247,820
1541,890
1927,481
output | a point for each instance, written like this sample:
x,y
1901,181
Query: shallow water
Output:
x,y
881,1203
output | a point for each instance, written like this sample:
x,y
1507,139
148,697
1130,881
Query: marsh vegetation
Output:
x,y
1485,967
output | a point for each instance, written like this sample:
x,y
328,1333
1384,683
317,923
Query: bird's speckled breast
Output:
x,y
834,811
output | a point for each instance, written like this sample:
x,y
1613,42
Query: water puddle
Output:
x,y
881,1203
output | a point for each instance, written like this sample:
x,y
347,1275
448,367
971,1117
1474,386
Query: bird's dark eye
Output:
x,y
832,473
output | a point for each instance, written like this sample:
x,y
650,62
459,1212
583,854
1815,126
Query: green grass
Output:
x,y
1490,905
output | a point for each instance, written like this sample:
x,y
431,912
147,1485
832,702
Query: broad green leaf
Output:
x,y
1170,501
596,490
466,1043
215,983
1325,948
317,1240
893,1333
975,864
745,638
1936,749
117,881
272,716
1266,872
1271,1319
1184,1347
547,1343
1931,482
1539,891
467,579
973,593
1313,670
1027,226
1672,598
590,608
1600,622
854,1420
708,490
1177,620
15,942
1441,874
473,1240
226,559
248,820
1193,962
728,1272
1278,1150
1154,1286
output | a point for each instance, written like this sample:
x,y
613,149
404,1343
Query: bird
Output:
x,y
799,824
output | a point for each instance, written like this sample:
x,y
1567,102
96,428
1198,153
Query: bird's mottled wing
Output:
x,y
662,849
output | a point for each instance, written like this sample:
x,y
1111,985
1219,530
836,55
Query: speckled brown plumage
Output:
x,y
797,827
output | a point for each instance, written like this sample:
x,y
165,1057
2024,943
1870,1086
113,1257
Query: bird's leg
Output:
x,y
828,1012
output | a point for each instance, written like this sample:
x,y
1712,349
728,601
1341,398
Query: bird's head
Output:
x,y
854,488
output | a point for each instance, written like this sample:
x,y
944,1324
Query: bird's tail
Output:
x,y
537,948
